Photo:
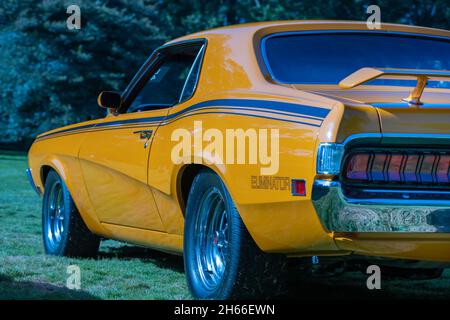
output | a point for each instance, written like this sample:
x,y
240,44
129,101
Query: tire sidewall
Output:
x,y
52,179
204,181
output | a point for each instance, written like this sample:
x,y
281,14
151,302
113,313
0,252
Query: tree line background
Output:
x,y
50,76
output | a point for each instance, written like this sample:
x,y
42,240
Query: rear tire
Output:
x,y
221,259
64,231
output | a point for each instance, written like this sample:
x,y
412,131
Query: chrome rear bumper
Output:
x,y
341,214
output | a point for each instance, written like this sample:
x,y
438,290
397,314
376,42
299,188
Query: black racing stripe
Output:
x,y
237,113
281,108
67,130
262,104
282,113
100,126
94,129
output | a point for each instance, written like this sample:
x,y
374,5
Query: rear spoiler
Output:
x,y
366,74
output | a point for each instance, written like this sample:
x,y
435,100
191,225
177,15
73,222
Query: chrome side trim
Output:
x,y
31,181
341,214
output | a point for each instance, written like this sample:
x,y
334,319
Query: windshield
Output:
x,y
328,58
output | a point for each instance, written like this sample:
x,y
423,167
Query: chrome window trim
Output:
x,y
265,61
139,74
198,59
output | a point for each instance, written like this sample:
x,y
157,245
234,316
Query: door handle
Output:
x,y
144,134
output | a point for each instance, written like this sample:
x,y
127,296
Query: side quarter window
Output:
x,y
170,80
192,79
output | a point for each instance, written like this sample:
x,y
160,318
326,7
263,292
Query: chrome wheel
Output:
x,y
54,217
212,238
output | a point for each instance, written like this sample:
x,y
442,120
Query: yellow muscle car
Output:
x,y
242,146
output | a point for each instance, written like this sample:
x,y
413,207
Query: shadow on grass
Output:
x,y
332,288
353,286
11,289
300,287
160,259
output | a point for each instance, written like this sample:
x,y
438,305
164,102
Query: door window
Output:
x,y
171,79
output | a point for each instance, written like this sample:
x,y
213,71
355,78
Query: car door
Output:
x,y
114,156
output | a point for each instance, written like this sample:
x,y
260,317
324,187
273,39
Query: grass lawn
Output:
x,y
129,272
120,272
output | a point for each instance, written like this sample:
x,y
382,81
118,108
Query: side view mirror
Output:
x,y
110,100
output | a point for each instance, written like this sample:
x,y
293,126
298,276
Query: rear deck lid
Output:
x,y
403,112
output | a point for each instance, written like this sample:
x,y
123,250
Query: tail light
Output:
x,y
395,167
398,167
442,171
409,173
357,168
427,168
378,165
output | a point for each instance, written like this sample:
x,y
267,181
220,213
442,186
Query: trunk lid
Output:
x,y
396,116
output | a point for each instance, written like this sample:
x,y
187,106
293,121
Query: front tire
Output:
x,y
64,231
220,257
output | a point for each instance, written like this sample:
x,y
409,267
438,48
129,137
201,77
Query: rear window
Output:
x,y
330,57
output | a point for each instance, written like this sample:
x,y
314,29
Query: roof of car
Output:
x,y
293,25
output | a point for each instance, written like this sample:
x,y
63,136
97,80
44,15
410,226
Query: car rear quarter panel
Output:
x,y
277,220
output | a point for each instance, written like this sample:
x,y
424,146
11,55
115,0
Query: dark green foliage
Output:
x,y
50,76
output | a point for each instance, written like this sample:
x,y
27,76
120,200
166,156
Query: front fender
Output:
x,y
61,154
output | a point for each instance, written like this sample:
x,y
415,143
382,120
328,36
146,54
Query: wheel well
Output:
x,y
187,177
44,173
